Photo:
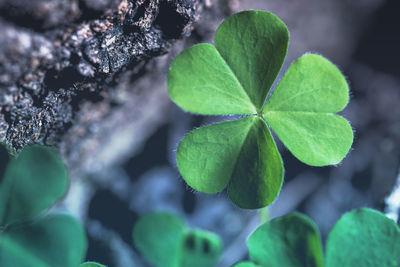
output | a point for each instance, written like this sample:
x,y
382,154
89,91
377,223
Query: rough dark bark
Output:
x,y
57,54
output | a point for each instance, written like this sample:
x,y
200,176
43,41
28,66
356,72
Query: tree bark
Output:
x,y
57,56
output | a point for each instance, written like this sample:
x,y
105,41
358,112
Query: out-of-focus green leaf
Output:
x,y
165,241
56,240
200,249
158,236
363,237
301,111
291,240
32,182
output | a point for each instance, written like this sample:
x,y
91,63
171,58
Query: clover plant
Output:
x,y
165,241
362,237
234,78
32,182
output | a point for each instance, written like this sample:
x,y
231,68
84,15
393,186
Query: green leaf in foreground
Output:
x,y
166,242
226,154
32,182
234,77
362,237
301,111
228,95
57,240
292,240
158,236
200,249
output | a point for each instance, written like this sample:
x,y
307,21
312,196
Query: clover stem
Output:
x,y
263,213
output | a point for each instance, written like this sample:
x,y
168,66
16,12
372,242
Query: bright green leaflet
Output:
x,y
166,242
363,237
258,174
226,153
234,77
301,109
32,182
56,240
91,264
254,45
204,58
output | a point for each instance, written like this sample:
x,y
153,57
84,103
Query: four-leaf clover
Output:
x,y
234,77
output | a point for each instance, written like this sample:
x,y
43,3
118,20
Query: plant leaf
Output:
x,y
254,45
32,182
234,77
200,81
206,157
301,111
158,236
258,175
57,240
91,264
291,240
241,152
200,249
363,237
164,240
12,255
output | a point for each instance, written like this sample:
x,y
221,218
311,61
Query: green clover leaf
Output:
x,y
301,111
362,237
234,77
291,240
166,242
56,240
33,181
